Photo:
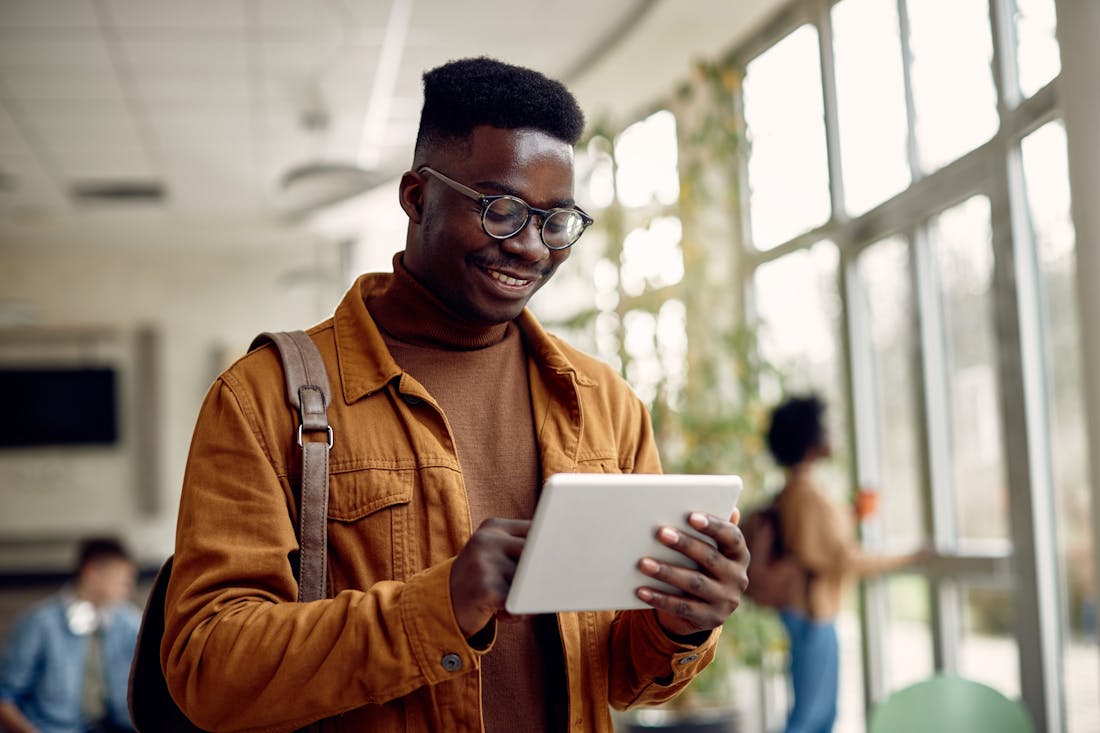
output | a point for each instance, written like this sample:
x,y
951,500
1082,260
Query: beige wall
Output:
x,y
202,301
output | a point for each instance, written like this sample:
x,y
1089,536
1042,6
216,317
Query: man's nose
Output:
x,y
527,242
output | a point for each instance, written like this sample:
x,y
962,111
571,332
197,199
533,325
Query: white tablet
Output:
x,y
590,530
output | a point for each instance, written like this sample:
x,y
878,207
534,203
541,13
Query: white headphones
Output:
x,y
82,617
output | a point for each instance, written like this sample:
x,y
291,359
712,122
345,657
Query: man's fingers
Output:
x,y
690,581
725,533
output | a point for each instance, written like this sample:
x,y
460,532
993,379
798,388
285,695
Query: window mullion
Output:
x,y
911,148
824,24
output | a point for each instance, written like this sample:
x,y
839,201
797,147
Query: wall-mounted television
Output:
x,y
58,406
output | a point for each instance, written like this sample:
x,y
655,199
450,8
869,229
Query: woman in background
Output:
x,y
821,536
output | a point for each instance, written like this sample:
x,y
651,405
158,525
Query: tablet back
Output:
x,y
590,530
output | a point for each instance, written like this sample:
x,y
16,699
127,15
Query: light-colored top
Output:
x,y
823,538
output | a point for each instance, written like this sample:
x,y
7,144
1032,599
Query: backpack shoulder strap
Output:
x,y
309,392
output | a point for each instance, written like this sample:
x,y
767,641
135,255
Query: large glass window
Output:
x,y
930,324
1046,179
988,651
885,276
870,102
788,173
953,93
646,155
960,239
1037,59
798,307
907,633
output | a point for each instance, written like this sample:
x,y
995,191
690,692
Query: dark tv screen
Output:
x,y
58,406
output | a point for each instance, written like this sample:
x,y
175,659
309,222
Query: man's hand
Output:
x,y
711,592
482,573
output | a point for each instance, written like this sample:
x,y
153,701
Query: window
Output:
x,y
884,275
788,176
871,101
954,99
960,240
1046,180
798,308
1037,59
646,157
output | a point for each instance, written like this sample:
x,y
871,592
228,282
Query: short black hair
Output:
x,y
461,95
96,549
797,427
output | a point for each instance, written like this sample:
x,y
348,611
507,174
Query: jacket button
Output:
x,y
689,659
411,399
451,662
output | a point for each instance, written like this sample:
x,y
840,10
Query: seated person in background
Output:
x,y
66,663
821,537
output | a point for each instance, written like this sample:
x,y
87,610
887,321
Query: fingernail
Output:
x,y
667,533
698,520
645,594
649,565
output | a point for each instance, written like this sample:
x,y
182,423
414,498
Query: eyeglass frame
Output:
x,y
486,200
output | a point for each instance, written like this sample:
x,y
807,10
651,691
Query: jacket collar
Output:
x,y
366,365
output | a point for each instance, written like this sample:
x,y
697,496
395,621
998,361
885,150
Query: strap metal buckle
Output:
x,y
327,427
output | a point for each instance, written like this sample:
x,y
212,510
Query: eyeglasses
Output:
x,y
504,216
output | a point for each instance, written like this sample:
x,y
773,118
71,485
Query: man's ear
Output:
x,y
410,195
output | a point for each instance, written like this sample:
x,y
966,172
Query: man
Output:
x,y
67,661
450,407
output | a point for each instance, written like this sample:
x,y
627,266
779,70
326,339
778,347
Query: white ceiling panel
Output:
x,y
11,138
208,96
68,48
288,15
49,14
73,109
213,15
60,133
376,13
29,184
77,85
107,164
191,85
220,55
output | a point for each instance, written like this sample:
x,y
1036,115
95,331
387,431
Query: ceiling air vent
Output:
x,y
117,192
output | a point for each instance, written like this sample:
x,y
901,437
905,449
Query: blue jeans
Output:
x,y
815,673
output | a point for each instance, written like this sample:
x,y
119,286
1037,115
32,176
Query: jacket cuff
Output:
x,y
437,642
684,660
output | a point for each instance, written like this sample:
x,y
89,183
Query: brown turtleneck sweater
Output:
x,y
478,376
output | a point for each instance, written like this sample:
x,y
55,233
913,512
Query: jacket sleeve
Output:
x,y
239,653
22,655
825,541
646,666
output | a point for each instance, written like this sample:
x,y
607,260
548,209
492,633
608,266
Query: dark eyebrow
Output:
x,y
497,187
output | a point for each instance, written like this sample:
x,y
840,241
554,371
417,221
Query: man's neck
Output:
x,y
409,312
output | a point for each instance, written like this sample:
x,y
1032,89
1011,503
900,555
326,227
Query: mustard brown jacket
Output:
x,y
383,652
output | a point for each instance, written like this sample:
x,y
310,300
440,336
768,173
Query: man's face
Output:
x,y
484,279
107,582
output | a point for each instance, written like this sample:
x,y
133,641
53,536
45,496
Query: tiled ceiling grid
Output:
x,y
206,98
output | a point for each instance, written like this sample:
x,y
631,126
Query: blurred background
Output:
x,y
890,202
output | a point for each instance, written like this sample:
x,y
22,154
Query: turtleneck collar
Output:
x,y
407,311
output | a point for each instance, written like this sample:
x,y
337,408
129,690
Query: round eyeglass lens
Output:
x,y
562,228
505,216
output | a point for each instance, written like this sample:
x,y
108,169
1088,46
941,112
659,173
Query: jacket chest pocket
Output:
x,y
368,526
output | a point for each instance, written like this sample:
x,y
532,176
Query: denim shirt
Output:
x,y
42,668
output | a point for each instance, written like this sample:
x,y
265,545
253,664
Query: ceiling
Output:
x,y
199,109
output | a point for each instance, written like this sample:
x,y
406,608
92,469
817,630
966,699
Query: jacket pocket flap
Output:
x,y
356,494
